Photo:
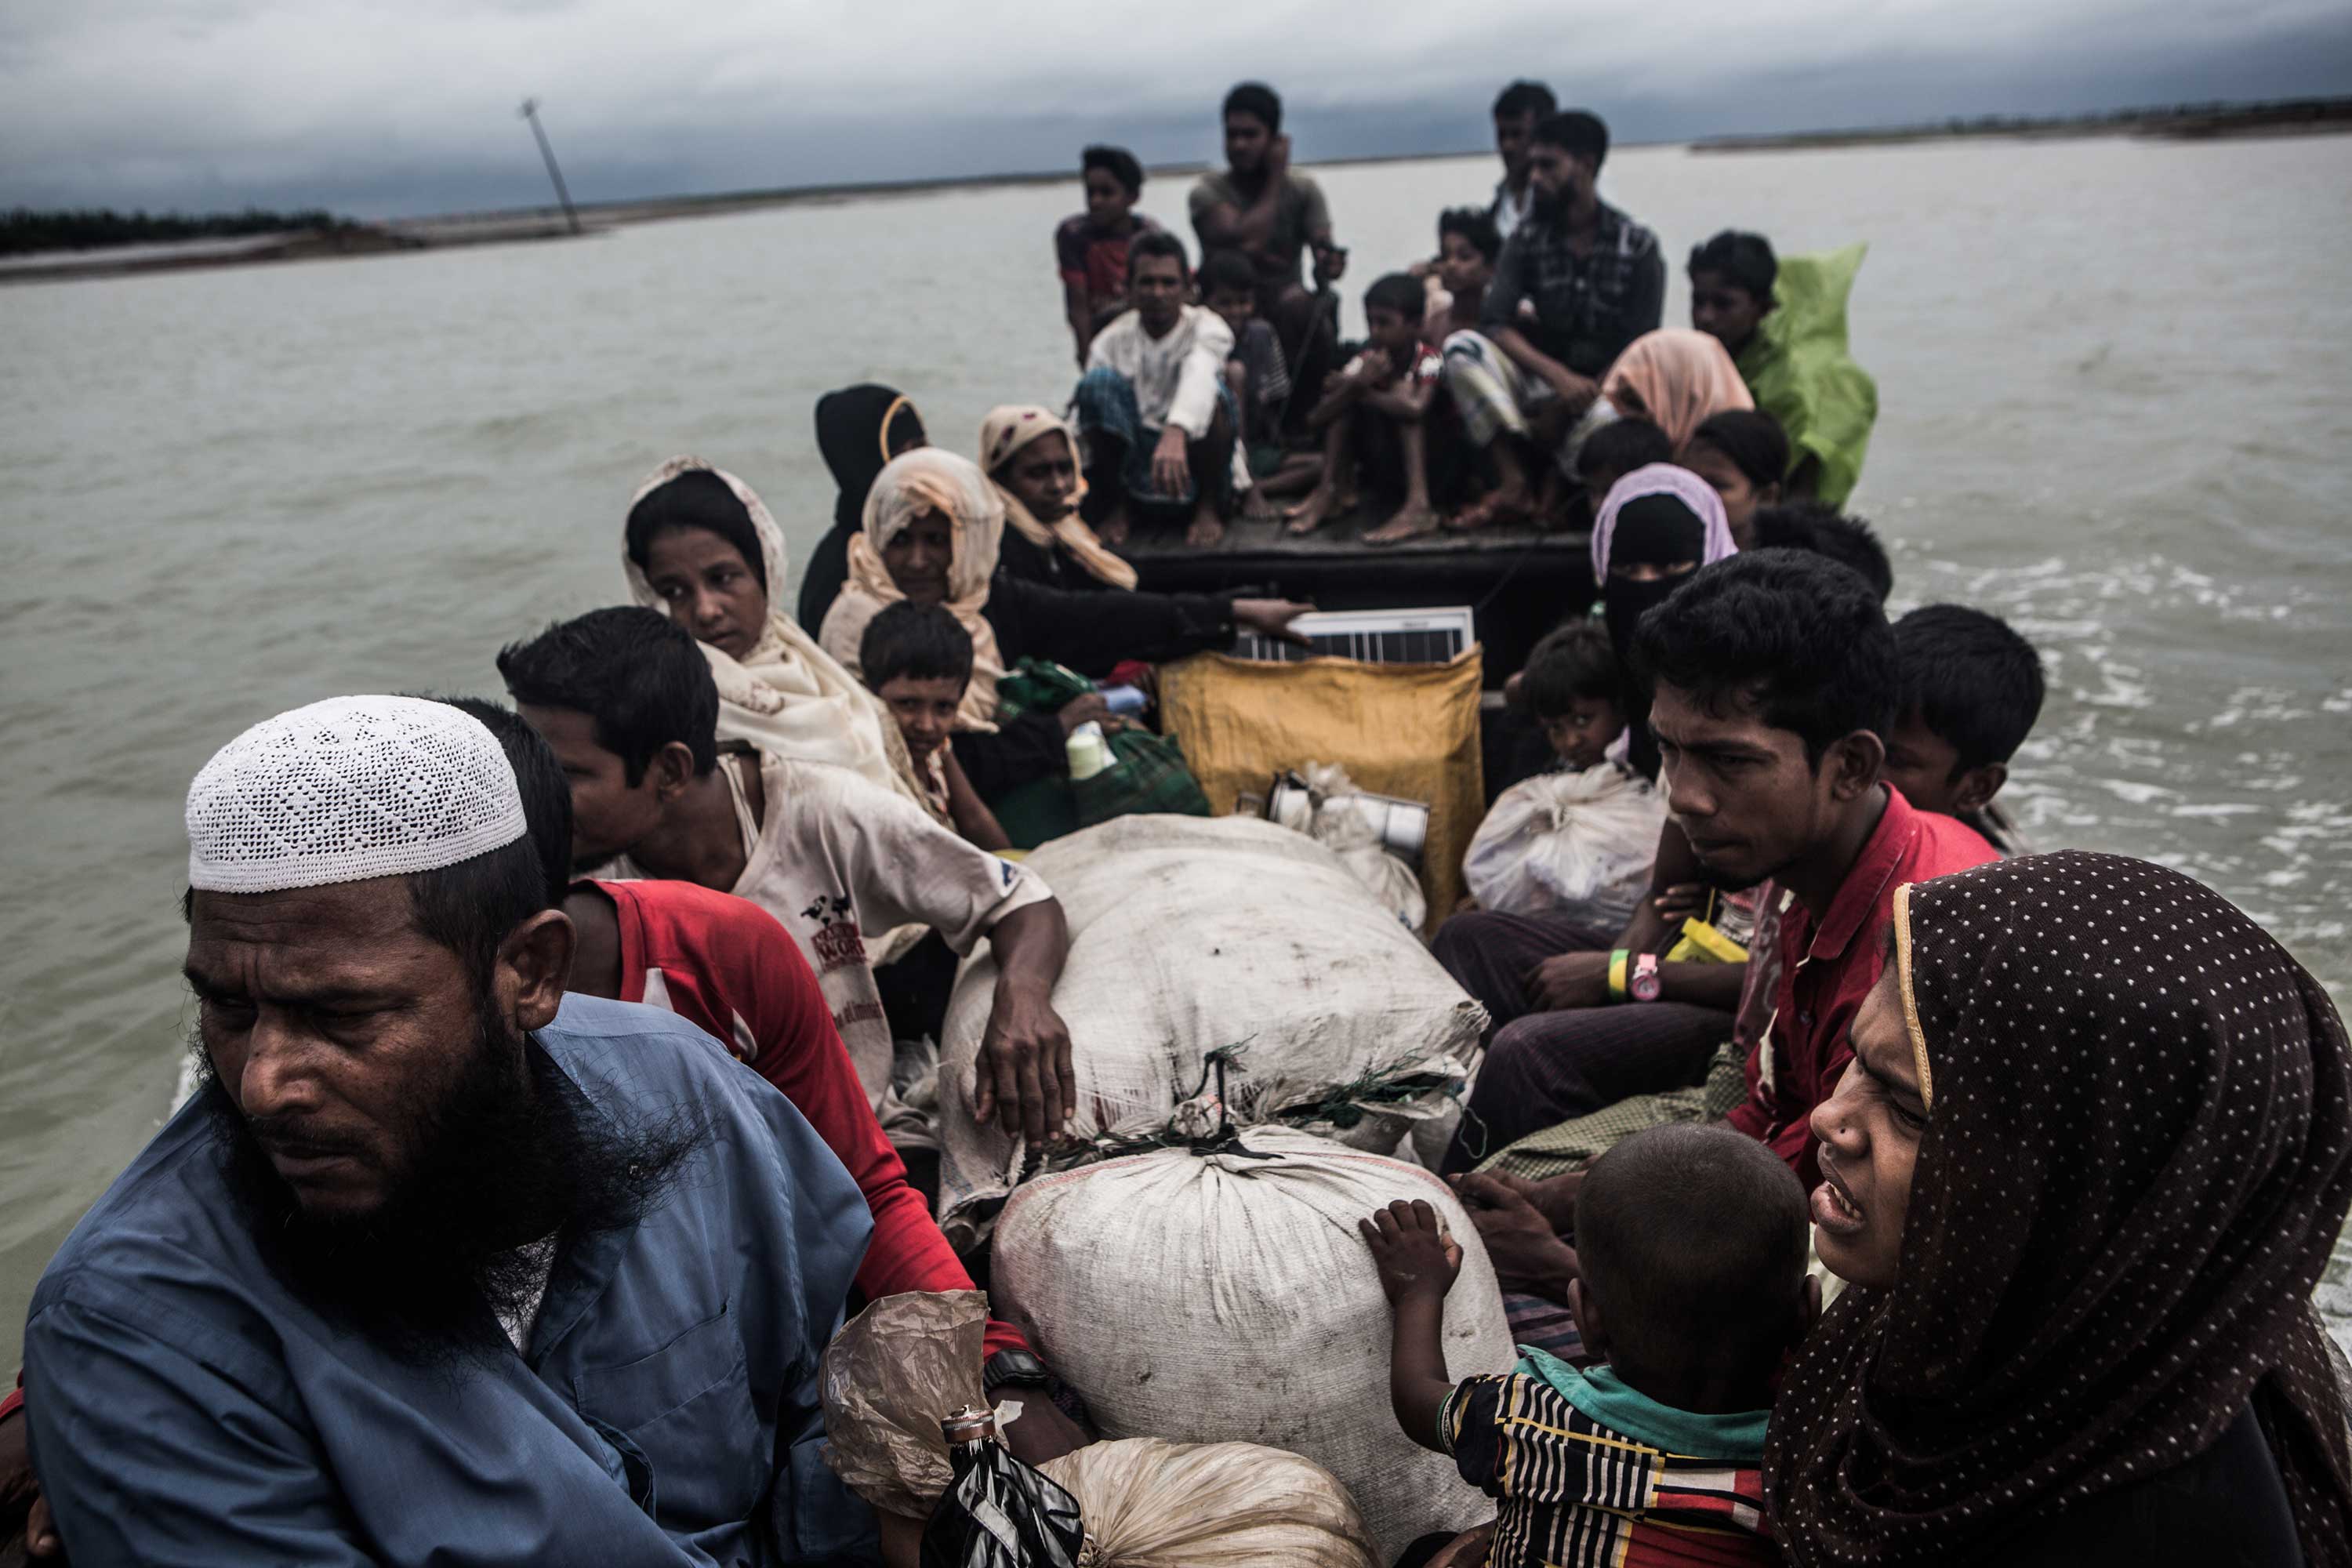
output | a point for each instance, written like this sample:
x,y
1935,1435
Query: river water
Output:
x,y
2114,411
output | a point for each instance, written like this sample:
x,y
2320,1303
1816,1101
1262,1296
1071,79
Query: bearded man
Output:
x,y
425,1270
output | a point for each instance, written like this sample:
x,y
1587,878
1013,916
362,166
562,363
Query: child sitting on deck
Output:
x,y
1466,247
917,660
1572,684
1691,1246
1971,689
1373,413
1258,377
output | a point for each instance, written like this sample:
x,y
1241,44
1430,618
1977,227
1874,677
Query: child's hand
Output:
x,y
1411,1250
1375,368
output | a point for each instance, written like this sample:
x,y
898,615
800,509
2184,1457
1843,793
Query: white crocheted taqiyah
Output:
x,y
347,789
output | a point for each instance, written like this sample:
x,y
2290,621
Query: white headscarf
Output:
x,y
929,480
787,696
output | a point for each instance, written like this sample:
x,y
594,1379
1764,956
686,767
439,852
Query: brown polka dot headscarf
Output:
x,y
2138,1153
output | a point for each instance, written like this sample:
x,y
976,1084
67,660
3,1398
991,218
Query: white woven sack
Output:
x,y
1218,1298
1149,1504
1188,934
1577,842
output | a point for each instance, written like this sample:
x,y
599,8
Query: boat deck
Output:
x,y
1519,582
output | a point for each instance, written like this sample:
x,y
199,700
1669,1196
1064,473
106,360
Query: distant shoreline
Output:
x,y
517,224
2189,123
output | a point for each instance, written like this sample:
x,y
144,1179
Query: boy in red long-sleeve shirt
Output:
x,y
724,964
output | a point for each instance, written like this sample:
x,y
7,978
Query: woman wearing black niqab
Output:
x,y
859,430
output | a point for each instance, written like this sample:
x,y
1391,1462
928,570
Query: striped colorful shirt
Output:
x,y
1608,1478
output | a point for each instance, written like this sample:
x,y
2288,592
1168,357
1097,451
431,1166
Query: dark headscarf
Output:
x,y
2138,1153
859,430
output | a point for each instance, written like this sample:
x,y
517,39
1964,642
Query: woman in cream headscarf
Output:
x,y
1031,459
1677,380
953,497
700,547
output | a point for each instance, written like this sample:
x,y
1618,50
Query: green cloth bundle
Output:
x,y
1147,774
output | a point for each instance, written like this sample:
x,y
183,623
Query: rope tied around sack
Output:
x,y
1188,1127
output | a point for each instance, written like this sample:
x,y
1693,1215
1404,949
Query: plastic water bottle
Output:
x,y
1089,751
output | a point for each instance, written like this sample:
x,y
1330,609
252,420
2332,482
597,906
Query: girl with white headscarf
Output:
x,y
700,547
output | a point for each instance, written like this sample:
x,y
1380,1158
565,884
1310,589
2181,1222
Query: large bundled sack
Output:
x,y
908,1361
1227,1297
1193,936
1405,729
1580,843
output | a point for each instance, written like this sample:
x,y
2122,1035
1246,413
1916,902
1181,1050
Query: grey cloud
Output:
x,y
382,108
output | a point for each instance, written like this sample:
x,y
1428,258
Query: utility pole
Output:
x,y
531,112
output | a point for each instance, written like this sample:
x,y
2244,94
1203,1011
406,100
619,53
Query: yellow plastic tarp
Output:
x,y
1405,730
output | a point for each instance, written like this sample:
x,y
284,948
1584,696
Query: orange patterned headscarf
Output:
x,y
1005,431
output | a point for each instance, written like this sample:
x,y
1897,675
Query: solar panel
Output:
x,y
1374,637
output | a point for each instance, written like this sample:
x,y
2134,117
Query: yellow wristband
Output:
x,y
1617,962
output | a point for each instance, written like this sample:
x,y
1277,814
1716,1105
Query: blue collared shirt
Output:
x,y
186,1406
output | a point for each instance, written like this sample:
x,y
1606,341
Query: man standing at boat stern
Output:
x,y
436,1264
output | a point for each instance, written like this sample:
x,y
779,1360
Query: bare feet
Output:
x,y
1313,512
1114,527
1299,473
1498,508
1414,520
1257,508
1207,529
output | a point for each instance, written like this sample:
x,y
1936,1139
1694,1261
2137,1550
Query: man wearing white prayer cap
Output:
x,y
437,1265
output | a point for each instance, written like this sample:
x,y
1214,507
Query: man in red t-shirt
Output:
x,y
1090,248
1775,679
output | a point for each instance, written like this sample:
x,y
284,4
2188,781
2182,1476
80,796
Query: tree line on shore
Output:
x,y
24,229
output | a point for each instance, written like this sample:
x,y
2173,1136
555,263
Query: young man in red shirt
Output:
x,y
1776,679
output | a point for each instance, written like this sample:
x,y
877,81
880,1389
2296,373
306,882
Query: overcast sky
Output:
x,y
385,107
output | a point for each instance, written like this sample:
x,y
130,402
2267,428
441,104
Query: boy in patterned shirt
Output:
x,y
1691,1245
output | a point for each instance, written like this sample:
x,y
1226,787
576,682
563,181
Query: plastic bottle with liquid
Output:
x,y
1089,751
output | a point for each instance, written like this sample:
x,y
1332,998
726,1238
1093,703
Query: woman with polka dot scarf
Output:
x,y
2083,1174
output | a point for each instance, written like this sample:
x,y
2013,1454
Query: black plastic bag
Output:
x,y
998,1512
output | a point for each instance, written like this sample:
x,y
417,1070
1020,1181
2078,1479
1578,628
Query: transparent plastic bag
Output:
x,y
1577,842
890,1377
